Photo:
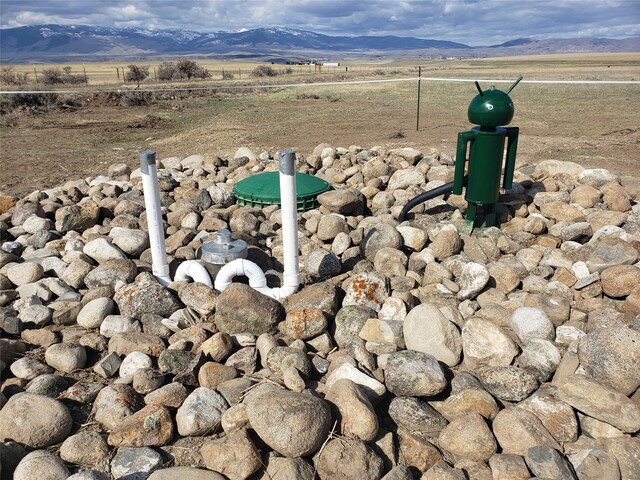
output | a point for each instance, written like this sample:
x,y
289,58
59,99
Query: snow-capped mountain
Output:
x,y
81,42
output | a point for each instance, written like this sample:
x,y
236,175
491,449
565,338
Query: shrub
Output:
x,y
52,76
70,78
227,76
167,71
189,69
263,71
137,73
9,77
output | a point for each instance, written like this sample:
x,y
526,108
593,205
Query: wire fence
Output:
x,y
314,84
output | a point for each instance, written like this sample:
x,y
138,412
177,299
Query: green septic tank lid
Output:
x,y
264,189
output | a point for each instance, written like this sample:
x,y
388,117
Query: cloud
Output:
x,y
475,22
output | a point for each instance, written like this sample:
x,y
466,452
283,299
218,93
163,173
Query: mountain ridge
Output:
x,y
52,42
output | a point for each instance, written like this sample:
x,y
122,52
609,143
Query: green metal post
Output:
x,y
418,108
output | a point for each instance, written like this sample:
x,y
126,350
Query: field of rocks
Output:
x,y
411,350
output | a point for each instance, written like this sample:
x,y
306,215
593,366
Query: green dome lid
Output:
x,y
264,189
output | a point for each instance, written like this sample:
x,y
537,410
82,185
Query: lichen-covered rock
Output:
x,y
241,309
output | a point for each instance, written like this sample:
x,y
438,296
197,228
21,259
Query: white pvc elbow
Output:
x,y
193,270
257,280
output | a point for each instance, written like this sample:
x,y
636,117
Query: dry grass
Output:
x,y
593,125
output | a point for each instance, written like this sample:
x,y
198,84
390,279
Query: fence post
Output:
x,y
418,107
155,75
118,72
86,80
35,72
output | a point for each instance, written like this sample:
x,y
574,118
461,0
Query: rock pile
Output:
x,y
411,350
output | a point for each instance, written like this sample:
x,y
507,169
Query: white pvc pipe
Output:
x,y
193,270
289,206
291,276
151,190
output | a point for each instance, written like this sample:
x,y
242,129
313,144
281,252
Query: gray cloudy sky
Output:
x,y
474,22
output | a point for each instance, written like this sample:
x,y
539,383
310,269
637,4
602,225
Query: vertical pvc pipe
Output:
x,y
151,190
289,206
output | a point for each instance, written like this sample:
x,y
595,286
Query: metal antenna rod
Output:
x,y
514,84
479,89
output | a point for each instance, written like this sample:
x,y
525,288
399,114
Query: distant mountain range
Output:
x,y
59,43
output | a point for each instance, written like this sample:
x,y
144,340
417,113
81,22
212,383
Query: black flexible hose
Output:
x,y
423,197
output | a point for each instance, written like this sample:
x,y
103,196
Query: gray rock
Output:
x,y
111,271
189,473
74,275
610,356
282,468
94,312
86,448
348,323
609,252
352,410
77,217
34,420
198,297
280,416
102,250
114,324
594,463
114,403
330,226
517,430
472,280
130,241
416,417
486,344
171,395
145,296
133,362
24,273
399,472
541,358
28,368
233,455
41,464
446,242
322,264
38,315
134,463
601,402
201,412
530,323
546,462
66,358
48,385
390,262
371,387
406,177
381,236
363,463
412,373
241,309
427,330
468,436
346,201
108,366
507,382
597,177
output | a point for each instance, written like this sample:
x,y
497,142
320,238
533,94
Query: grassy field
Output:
x,y
595,125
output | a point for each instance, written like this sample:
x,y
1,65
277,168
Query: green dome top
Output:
x,y
491,108
264,189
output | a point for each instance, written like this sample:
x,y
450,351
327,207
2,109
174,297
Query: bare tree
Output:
x,y
137,73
